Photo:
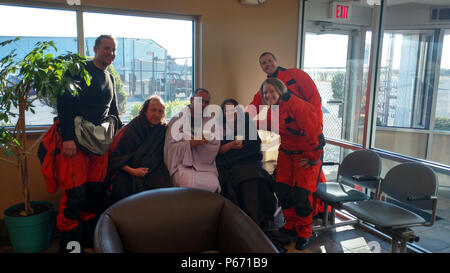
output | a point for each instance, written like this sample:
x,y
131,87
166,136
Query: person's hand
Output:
x,y
69,148
140,172
197,142
236,144
304,163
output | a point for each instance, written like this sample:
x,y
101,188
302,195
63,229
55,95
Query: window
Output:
x,y
442,115
441,129
37,24
411,92
154,55
408,65
404,86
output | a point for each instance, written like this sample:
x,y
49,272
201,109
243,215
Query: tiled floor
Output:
x,y
435,239
346,239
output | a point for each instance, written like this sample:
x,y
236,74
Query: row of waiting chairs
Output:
x,y
411,185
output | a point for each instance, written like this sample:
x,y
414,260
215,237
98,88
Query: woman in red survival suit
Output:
x,y
298,163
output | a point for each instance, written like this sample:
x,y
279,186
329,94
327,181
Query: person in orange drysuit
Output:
x,y
298,163
77,172
301,85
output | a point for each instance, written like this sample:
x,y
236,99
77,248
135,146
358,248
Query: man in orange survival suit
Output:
x,y
79,173
298,162
300,84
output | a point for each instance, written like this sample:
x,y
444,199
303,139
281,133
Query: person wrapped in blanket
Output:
x,y
136,155
241,174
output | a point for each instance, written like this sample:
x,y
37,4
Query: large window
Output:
x,y
37,24
442,115
384,77
411,106
405,85
154,55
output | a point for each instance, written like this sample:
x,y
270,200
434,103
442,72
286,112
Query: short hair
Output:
x,y
279,86
196,91
232,101
144,107
99,39
267,53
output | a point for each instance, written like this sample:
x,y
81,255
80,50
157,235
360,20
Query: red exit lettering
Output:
x,y
342,11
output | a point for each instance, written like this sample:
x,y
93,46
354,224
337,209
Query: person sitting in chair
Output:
x,y
136,154
241,174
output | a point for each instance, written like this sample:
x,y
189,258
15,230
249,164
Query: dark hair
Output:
x,y
99,39
198,90
267,53
233,101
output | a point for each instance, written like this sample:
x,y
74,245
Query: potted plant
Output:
x,y
38,76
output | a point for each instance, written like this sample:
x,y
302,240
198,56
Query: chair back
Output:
x,y
360,162
183,220
411,180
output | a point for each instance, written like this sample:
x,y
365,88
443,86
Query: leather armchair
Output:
x,y
181,220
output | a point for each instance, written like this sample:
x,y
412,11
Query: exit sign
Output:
x,y
340,10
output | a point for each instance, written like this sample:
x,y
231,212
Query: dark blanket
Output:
x,y
244,181
137,145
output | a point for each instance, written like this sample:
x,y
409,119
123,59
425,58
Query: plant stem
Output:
x,y
23,163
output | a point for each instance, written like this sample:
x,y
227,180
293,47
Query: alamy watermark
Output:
x,y
374,247
189,122
74,247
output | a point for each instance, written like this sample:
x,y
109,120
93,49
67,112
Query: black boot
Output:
x,y
69,241
281,236
302,243
289,234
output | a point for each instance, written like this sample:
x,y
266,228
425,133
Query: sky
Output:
x,y
320,54
32,23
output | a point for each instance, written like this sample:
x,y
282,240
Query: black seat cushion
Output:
x,y
383,214
334,192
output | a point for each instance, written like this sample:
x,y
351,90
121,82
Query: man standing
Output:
x,y
80,174
299,84
188,155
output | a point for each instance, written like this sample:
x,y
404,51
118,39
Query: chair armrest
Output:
x,y
421,198
370,178
330,163
365,178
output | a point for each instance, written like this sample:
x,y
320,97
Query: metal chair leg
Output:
x,y
403,247
394,245
333,216
325,215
